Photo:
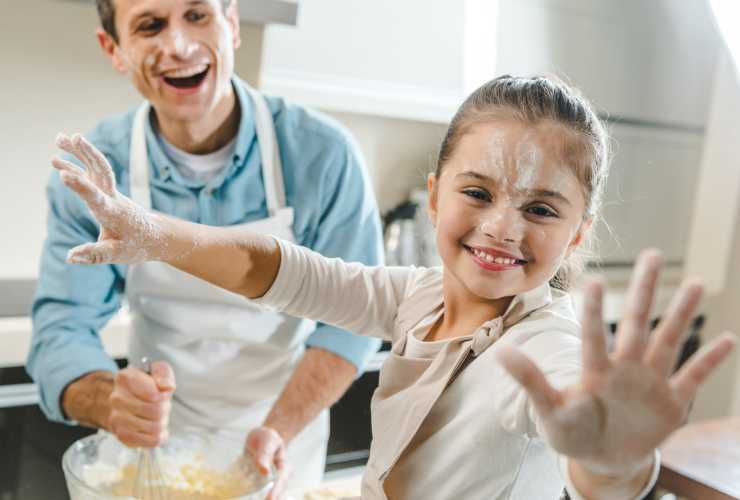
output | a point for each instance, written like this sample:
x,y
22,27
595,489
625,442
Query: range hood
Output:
x,y
263,11
269,12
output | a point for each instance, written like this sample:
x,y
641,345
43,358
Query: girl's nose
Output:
x,y
505,225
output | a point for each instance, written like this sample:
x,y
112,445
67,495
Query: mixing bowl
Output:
x,y
93,467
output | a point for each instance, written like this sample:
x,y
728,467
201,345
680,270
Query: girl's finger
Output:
x,y
64,142
633,329
79,145
666,341
595,356
103,252
545,397
84,187
68,166
68,144
100,163
692,374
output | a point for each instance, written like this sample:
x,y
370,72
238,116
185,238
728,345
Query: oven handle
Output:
x,y
12,396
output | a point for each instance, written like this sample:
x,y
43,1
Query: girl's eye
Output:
x,y
194,16
478,194
151,25
541,211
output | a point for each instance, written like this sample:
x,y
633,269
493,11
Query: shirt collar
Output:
x,y
244,138
526,302
520,306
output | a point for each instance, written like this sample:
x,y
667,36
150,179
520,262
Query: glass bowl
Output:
x,y
97,465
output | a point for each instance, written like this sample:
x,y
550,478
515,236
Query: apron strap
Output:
x,y
272,169
138,159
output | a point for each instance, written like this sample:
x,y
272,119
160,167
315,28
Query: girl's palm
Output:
x,y
629,401
126,230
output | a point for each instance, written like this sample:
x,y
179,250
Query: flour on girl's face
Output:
x,y
496,192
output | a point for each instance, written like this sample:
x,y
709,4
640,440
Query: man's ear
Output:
x,y
432,184
579,237
110,49
232,16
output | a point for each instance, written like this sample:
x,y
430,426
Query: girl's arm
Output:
x,y
232,258
347,295
610,422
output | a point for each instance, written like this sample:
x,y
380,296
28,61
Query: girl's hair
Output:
x,y
531,101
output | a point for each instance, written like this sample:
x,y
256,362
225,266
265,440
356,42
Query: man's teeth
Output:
x,y
493,260
186,72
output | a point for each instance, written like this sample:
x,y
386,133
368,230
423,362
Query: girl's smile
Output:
x,y
508,209
492,259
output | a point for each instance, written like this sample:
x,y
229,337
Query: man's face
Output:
x,y
178,53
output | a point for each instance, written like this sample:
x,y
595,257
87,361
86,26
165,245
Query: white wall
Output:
x,y
54,79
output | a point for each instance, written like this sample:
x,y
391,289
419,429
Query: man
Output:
x,y
207,148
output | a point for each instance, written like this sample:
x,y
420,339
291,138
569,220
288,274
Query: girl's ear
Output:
x,y
432,203
579,236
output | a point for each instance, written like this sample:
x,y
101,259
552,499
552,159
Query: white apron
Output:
x,y
231,357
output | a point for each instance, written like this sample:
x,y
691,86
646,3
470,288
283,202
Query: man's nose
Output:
x,y
179,44
503,223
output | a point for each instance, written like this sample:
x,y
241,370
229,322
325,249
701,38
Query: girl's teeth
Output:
x,y
494,260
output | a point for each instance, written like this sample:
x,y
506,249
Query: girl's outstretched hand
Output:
x,y
629,401
128,233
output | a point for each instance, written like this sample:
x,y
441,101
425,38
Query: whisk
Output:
x,y
149,482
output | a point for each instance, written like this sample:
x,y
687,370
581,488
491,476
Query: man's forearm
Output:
x,y
87,399
318,381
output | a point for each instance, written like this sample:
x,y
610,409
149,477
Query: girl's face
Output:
x,y
507,208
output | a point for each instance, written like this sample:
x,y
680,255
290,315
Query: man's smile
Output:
x,y
188,78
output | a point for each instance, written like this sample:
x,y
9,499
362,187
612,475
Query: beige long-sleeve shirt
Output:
x,y
448,421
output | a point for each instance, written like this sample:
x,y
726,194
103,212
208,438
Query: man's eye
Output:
x,y
541,211
151,25
194,16
478,194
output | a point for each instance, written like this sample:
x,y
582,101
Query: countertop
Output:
x,y
15,331
338,484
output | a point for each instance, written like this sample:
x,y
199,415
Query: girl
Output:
x,y
491,390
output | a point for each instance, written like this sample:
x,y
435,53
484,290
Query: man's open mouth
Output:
x,y
187,79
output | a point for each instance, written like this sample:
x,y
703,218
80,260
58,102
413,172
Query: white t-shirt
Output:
x,y
198,167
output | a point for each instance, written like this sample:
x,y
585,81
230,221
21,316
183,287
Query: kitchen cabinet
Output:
x,y
263,11
643,61
398,59
650,193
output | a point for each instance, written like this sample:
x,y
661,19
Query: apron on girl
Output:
x,y
231,357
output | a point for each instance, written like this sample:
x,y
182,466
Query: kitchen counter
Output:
x,y
15,338
15,332
336,485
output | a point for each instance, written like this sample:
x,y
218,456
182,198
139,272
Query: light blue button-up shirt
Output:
x,y
325,181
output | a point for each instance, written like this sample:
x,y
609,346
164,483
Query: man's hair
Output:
x,y
107,14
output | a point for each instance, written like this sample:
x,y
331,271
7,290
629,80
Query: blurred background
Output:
x,y
658,71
